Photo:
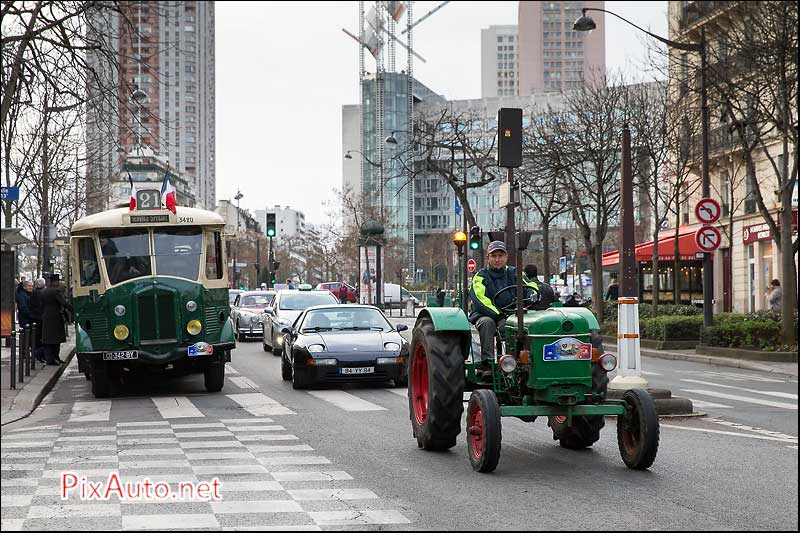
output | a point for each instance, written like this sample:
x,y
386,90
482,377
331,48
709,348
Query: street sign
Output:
x,y
471,265
708,238
707,210
10,194
562,264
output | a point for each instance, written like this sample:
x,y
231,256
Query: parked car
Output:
x,y
285,309
341,290
396,296
338,344
246,313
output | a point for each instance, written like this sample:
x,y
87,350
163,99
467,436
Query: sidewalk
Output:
x,y
26,397
789,369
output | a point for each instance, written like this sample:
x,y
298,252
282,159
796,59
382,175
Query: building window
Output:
x,y
499,38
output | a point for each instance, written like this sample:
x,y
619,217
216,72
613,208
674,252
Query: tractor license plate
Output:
x,y
567,349
364,370
120,356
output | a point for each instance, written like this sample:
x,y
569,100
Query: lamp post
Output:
x,y
238,197
585,23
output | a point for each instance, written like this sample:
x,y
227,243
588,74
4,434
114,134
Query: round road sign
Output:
x,y
707,210
707,238
471,265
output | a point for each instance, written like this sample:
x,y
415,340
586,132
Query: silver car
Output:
x,y
246,312
287,306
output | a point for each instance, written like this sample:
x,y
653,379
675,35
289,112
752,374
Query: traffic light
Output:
x,y
460,239
272,278
475,240
270,225
275,264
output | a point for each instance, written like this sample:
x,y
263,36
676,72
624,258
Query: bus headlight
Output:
x,y
121,332
119,310
191,306
194,327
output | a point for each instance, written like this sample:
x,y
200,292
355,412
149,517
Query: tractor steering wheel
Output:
x,y
529,298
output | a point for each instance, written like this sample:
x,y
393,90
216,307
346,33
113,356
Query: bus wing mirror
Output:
x,y
94,296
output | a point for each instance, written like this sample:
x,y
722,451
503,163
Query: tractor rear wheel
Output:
x,y
435,387
638,430
484,433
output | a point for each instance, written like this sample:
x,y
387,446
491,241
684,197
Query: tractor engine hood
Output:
x,y
557,321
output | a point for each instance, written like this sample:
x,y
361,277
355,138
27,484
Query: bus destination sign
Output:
x,y
149,219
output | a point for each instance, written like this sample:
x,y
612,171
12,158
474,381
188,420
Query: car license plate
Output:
x,y
119,356
363,370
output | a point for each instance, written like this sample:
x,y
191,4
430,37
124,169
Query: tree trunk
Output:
x,y
597,281
656,282
546,248
789,274
676,269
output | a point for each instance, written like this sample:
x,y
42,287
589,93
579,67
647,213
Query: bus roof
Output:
x,y
121,218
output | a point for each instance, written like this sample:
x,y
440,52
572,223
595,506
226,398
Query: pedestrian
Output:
x,y
54,306
776,297
24,291
36,315
289,283
440,297
612,292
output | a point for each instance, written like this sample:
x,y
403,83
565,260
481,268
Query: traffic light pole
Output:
x,y
271,265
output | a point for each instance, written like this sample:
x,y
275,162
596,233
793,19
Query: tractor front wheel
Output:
x,y
638,430
484,433
435,387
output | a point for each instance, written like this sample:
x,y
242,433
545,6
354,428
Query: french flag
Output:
x,y
168,200
132,203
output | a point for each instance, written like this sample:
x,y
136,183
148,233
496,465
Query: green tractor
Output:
x,y
555,367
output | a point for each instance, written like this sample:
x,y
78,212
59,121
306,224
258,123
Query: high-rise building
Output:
x,y
553,57
289,223
499,61
165,77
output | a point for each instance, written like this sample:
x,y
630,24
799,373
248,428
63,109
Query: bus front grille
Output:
x,y
156,316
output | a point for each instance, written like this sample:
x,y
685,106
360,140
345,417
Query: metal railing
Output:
x,y
22,361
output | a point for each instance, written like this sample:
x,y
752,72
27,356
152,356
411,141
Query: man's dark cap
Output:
x,y
496,245
55,277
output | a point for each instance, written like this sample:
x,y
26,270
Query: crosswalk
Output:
x,y
712,390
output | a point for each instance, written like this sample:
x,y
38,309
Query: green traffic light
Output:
x,y
270,232
474,245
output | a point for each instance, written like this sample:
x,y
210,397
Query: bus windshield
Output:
x,y
126,253
177,251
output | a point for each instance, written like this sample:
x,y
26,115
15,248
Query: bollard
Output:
x,y
390,307
34,345
21,358
28,350
13,359
24,346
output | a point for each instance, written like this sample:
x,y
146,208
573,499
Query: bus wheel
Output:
x,y
214,377
101,382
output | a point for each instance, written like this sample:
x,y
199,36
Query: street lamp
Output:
x,y
238,197
139,97
585,23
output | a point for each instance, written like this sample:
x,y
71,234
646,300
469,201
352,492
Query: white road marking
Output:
x,y
761,431
263,506
203,434
346,401
197,426
18,500
230,370
350,518
399,392
90,411
34,429
787,395
189,445
134,424
250,486
747,399
22,436
143,431
792,447
244,383
329,475
719,432
293,460
151,451
81,511
229,469
651,373
235,421
733,376
177,407
280,448
259,404
700,404
175,521
332,494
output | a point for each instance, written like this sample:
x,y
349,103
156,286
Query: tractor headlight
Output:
x,y
316,348
191,306
508,363
121,332
119,310
608,362
194,327
391,346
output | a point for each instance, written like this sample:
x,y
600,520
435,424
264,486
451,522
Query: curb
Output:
x,y
22,406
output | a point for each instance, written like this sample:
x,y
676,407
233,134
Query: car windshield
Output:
x,y
345,318
178,251
298,301
126,254
255,300
232,296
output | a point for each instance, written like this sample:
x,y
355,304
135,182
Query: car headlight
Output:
x,y
391,346
119,310
121,332
315,348
386,361
253,319
194,327
191,306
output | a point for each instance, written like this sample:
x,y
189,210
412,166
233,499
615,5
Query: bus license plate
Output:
x,y
364,370
119,356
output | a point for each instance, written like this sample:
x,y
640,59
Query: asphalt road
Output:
x,y
735,469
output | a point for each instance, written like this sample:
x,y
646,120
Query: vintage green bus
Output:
x,y
150,294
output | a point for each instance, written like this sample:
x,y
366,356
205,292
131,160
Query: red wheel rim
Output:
x,y
419,384
476,431
560,419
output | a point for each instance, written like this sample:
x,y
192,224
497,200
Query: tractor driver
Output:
x,y
486,312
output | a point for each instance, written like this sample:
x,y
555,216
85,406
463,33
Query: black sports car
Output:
x,y
336,343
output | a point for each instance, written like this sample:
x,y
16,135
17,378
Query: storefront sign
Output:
x,y
761,232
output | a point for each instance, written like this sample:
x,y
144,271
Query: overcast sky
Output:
x,y
284,70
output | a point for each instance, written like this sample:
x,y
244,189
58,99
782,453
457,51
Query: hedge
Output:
x,y
760,334
646,310
663,328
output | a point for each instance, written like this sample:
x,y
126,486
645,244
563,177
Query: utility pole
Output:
x,y
45,232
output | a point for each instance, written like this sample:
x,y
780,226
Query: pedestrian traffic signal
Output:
x,y
460,239
475,240
270,225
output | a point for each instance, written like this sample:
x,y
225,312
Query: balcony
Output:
x,y
693,12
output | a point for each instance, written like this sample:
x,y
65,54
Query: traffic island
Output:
x,y
666,404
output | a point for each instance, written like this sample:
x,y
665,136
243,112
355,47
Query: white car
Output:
x,y
286,307
246,313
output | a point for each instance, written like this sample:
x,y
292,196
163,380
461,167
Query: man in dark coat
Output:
x,y
54,305
24,303
36,314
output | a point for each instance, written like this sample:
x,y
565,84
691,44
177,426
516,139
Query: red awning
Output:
x,y
666,248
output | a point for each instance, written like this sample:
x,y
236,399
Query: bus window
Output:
x,y
177,251
213,255
87,260
126,253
